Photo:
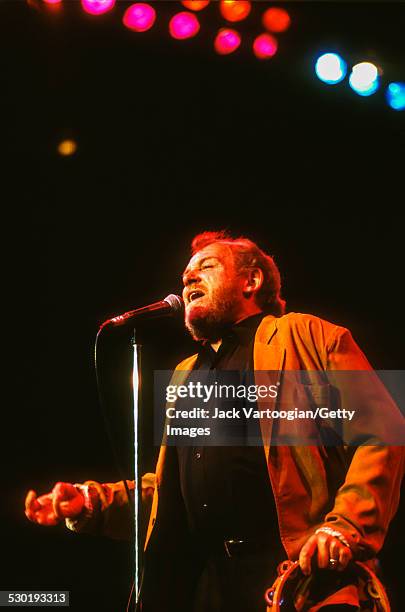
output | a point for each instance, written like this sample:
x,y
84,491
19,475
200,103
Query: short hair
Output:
x,y
248,255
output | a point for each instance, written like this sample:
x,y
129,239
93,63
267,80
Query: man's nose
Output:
x,y
192,276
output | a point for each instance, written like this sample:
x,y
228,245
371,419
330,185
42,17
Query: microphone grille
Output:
x,y
175,302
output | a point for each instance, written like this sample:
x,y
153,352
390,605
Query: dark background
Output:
x,y
173,140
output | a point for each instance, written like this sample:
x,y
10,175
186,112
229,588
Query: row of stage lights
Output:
x,y
364,79
331,68
141,17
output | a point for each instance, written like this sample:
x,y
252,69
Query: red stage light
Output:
x,y
195,5
235,10
227,41
265,46
184,25
276,20
139,17
97,7
52,1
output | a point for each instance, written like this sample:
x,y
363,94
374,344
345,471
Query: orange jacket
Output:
x,y
356,494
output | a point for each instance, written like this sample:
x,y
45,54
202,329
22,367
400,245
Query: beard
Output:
x,y
210,321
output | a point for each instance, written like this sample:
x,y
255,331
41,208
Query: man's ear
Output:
x,y
253,281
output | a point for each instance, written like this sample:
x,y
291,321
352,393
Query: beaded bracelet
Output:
x,y
91,504
334,533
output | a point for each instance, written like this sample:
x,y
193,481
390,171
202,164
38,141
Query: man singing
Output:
x,y
223,517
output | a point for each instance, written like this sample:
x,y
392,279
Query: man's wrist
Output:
x,y
90,507
334,533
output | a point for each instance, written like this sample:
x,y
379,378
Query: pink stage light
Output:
x,y
276,20
97,7
184,25
235,10
265,46
139,17
195,5
227,41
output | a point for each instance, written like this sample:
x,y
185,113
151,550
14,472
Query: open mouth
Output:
x,y
195,295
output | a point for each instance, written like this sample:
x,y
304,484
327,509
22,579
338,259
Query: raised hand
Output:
x,y
64,501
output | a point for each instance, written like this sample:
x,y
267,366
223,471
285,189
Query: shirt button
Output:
x,y
198,455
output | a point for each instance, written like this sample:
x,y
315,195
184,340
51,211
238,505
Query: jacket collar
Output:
x,y
268,352
268,356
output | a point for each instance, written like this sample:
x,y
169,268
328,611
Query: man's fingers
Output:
x,y
31,505
345,555
47,518
334,552
63,491
30,500
323,543
39,509
341,553
326,549
71,508
306,554
67,500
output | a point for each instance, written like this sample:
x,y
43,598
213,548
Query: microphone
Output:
x,y
167,307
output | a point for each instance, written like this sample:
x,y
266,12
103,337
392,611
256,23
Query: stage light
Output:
x,y
67,147
235,10
276,20
139,17
364,79
227,41
195,5
52,1
395,94
97,7
265,46
330,68
184,25
363,90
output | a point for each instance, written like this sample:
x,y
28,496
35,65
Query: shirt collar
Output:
x,y
241,333
244,330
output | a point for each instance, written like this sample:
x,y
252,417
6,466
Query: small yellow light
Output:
x,y
67,147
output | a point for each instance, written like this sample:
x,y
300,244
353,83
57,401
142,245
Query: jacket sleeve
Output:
x,y
369,496
108,511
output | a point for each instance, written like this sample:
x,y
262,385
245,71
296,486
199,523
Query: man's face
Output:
x,y
213,292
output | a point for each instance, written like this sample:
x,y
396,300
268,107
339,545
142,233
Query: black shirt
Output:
x,y
226,489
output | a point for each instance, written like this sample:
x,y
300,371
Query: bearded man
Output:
x,y
222,518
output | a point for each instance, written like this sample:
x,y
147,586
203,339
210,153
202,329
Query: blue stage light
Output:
x,y
364,79
395,94
364,90
330,68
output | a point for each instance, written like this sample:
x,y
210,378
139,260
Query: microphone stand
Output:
x,y
136,385
171,304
